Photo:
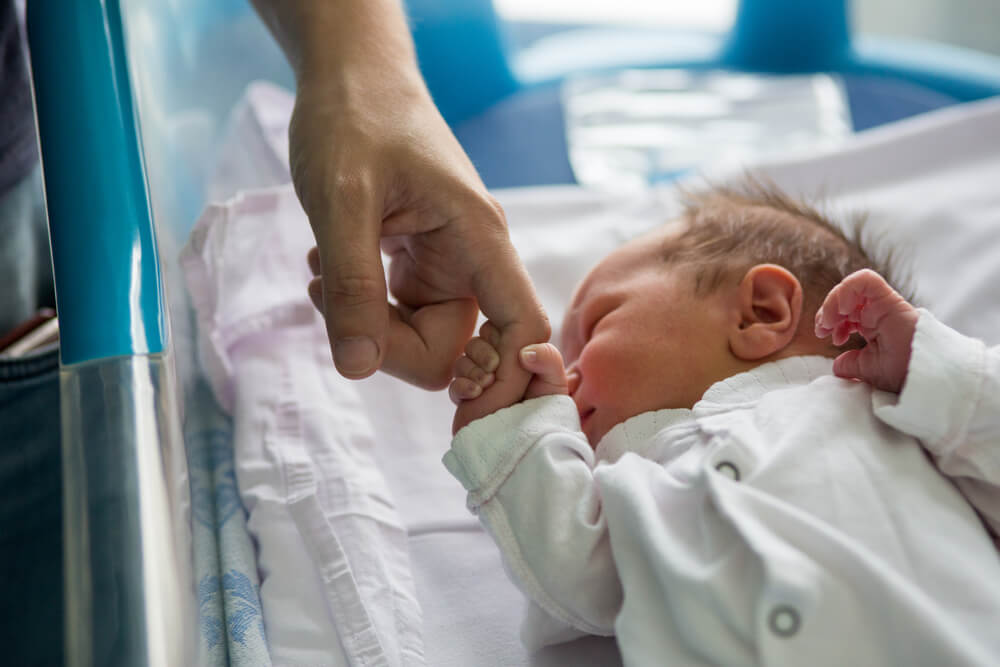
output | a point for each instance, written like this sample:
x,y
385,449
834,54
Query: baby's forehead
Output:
x,y
646,250
633,252
642,250
634,255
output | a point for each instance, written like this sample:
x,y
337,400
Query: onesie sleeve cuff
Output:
x,y
486,451
942,387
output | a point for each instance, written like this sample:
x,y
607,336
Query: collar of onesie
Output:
x,y
634,434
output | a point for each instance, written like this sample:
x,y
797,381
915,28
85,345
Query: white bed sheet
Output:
x,y
930,184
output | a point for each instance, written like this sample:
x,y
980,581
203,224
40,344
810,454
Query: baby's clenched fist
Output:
x,y
865,303
474,374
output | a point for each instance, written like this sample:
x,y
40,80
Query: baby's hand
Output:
x,y
863,302
474,375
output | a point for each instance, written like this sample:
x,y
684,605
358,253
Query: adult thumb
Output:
x,y
354,297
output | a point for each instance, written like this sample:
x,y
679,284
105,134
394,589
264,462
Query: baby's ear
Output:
x,y
768,310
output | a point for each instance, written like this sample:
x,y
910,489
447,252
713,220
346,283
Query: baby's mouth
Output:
x,y
585,414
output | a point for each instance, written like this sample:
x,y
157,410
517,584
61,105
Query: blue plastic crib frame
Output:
x,y
114,320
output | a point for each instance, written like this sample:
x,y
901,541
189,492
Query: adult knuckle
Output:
x,y
483,211
540,327
495,207
350,189
437,378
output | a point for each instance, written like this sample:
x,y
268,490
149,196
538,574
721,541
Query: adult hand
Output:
x,y
376,168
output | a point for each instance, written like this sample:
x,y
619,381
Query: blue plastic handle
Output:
x,y
107,275
788,36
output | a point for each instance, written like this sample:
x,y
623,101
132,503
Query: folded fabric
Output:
x,y
335,584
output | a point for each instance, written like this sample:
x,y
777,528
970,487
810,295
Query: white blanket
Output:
x,y
367,554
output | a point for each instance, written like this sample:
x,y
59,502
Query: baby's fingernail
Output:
x,y
529,354
475,391
487,380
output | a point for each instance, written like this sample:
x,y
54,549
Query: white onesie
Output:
x,y
789,518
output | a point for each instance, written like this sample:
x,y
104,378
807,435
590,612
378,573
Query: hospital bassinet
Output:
x,y
130,98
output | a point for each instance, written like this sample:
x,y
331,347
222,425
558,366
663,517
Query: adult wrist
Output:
x,y
357,77
331,39
357,35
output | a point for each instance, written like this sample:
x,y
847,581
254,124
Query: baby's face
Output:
x,y
639,338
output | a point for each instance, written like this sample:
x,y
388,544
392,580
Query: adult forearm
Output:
x,y
333,38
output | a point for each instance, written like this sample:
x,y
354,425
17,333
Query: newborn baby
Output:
x,y
697,481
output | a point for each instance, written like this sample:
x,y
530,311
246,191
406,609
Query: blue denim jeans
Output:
x,y
25,261
31,569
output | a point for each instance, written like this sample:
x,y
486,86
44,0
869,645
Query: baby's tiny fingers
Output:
x,y
546,363
848,365
820,329
885,304
544,360
483,353
867,288
463,389
468,369
842,333
490,334
828,315
849,297
849,301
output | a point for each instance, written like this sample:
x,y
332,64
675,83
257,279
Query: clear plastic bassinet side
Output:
x,y
126,598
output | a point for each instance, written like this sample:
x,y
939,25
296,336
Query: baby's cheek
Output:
x,y
622,380
604,373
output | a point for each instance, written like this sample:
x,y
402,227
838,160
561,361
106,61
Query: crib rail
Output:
x,y
126,587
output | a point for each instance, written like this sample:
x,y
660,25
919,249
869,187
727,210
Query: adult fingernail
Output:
x,y
355,356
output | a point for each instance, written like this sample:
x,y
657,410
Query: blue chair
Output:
x,y
509,116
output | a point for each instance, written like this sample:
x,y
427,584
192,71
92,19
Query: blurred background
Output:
x,y
973,24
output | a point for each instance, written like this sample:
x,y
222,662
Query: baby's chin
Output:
x,y
594,428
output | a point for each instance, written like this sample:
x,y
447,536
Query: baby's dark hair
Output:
x,y
733,227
